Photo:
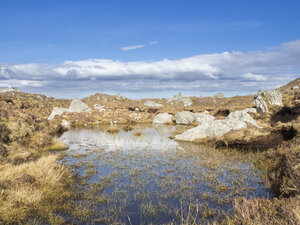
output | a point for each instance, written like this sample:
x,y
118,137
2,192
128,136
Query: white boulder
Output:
x,y
78,106
179,98
162,118
152,104
185,117
265,98
57,111
215,128
10,89
99,107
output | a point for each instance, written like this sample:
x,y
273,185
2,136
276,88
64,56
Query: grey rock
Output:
x,y
99,107
295,87
179,98
219,95
152,104
215,128
162,118
185,117
78,106
10,89
265,98
65,123
57,111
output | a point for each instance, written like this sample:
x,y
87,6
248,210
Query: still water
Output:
x,y
144,177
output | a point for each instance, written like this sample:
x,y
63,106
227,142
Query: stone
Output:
x,y
119,97
152,104
57,111
78,106
10,89
295,87
65,123
214,128
219,95
99,107
162,118
265,98
179,98
185,117
203,117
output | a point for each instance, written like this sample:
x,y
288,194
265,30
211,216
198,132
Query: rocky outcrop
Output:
x,y
179,98
78,106
152,104
204,117
75,106
162,118
9,89
215,128
57,111
265,98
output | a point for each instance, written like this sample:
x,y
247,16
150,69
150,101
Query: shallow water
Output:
x,y
153,179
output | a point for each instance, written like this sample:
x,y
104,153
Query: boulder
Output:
x,y
179,98
65,123
152,104
78,106
99,107
265,98
295,87
57,111
10,89
185,117
120,97
215,128
203,117
163,118
219,95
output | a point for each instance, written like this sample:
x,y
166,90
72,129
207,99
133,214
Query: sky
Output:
x,y
139,48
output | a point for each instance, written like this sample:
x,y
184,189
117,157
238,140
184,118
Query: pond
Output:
x,y
144,177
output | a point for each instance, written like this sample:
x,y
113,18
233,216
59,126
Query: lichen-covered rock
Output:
x,y
265,98
185,117
57,111
215,128
152,104
65,123
78,106
162,118
203,117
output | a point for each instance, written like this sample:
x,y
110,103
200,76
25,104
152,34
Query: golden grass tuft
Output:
x,y
26,189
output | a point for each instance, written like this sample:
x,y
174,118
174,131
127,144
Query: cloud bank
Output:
x,y
227,71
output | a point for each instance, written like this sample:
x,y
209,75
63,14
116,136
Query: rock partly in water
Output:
x,y
179,98
78,106
162,118
215,128
152,104
10,89
57,111
265,98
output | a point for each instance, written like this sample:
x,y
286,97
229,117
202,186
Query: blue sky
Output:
x,y
40,39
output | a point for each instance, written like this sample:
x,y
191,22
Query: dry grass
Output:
x,y
57,145
30,189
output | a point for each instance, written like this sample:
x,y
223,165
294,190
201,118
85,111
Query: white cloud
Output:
x,y
126,48
227,71
153,43
254,77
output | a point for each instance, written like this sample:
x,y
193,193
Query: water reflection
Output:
x,y
153,179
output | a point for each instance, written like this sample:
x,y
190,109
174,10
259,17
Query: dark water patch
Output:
x,y
152,179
